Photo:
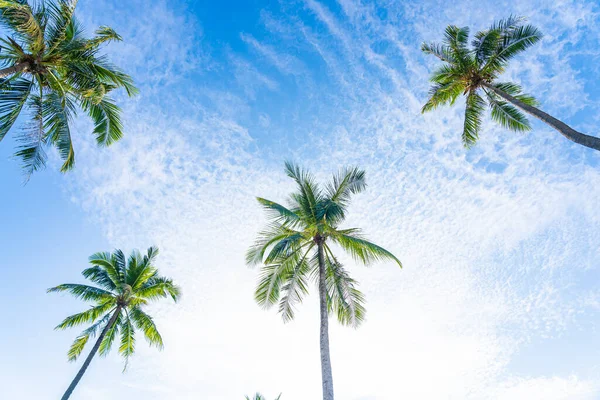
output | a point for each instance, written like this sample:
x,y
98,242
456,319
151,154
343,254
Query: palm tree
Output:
x,y
259,396
294,248
49,69
125,286
475,71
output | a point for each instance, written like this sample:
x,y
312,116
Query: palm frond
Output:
x,y
158,287
295,286
361,249
443,94
472,124
107,120
81,340
98,275
278,212
443,52
57,117
145,323
60,15
110,336
24,21
507,115
83,292
31,150
346,300
127,347
517,92
13,96
87,316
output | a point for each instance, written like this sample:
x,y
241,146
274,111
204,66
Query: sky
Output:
x,y
498,297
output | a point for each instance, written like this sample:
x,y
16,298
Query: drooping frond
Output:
x,y
145,323
13,96
473,115
295,285
443,94
507,115
57,117
107,120
517,92
81,340
158,287
32,140
127,347
361,249
345,299
110,336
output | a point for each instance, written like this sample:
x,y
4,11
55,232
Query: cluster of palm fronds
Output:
x,y
49,70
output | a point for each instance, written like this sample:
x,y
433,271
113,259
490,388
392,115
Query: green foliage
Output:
x,y
468,70
259,396
126,286
288,248
59,71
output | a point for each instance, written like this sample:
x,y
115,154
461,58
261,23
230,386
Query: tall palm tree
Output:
x,y
125,286
295,248
474,71
49,69
259,396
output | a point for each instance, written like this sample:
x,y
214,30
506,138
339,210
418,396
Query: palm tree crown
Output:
x,y
470,71
48,70
287,248
125,286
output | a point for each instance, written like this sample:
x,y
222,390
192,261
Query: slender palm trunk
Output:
x,y
20,67
568,132
326,374
91,355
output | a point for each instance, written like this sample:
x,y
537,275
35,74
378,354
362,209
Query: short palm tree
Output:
x,y
474,72
125,286
295,248
259,396
49,69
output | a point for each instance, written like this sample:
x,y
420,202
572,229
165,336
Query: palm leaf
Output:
x,y
145,323
361,249
472,124
507,115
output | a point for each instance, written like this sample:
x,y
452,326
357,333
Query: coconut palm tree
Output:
x,y
474,72
125,287
48,70
295,249
259,396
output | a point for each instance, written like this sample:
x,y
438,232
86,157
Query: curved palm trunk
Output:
x,y
326,374
568,132
91,355
20,67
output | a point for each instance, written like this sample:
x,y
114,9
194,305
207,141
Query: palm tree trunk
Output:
x,y
91,355
20,67
568,132
326,374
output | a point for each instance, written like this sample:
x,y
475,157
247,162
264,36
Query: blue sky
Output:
x,y
498,298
